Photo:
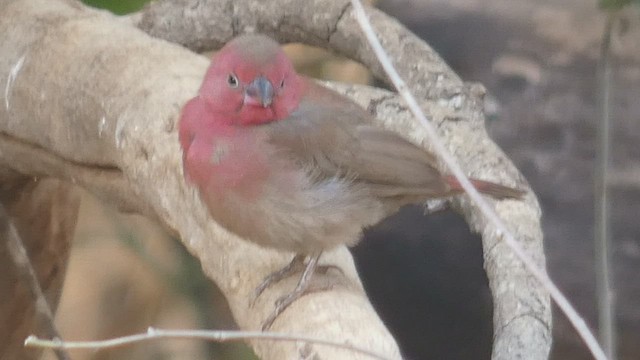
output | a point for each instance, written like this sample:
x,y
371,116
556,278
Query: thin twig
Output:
x,y
209,335
486,209
602,240
28,275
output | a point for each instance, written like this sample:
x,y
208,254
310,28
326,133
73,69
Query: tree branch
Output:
x,y
101,99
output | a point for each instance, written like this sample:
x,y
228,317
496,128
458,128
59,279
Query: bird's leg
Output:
x,y
296,264
301,289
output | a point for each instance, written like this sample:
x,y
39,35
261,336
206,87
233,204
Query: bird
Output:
x,y
291,165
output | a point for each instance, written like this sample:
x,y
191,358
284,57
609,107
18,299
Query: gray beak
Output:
x,y
261,91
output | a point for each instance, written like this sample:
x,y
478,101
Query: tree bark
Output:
x,y
94,101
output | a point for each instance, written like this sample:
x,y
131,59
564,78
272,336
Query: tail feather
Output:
x,y
486,187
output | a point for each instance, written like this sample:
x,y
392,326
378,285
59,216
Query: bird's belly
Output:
x,y
222,166
264,196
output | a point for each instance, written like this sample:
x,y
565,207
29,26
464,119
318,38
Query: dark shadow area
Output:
x,y
424,276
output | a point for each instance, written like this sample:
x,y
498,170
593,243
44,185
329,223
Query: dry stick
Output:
x,y
484,207
211,335
28,275
602,239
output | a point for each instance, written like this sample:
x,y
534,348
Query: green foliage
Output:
x,y
119,7
616,4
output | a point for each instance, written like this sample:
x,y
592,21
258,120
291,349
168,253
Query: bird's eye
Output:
x,y
232,80
282,83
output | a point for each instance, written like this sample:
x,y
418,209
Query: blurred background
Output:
x,y
538,60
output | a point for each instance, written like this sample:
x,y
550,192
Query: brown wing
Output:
x,y
334,135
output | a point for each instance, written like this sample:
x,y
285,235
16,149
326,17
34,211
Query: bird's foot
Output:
x,y
303,288
296,265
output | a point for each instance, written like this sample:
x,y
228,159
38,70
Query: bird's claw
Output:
x,y
281,305
302,288
285,301
296,265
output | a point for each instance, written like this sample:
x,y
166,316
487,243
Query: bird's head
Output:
x,y
251,81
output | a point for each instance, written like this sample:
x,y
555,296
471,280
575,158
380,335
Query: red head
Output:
x,y
251,81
